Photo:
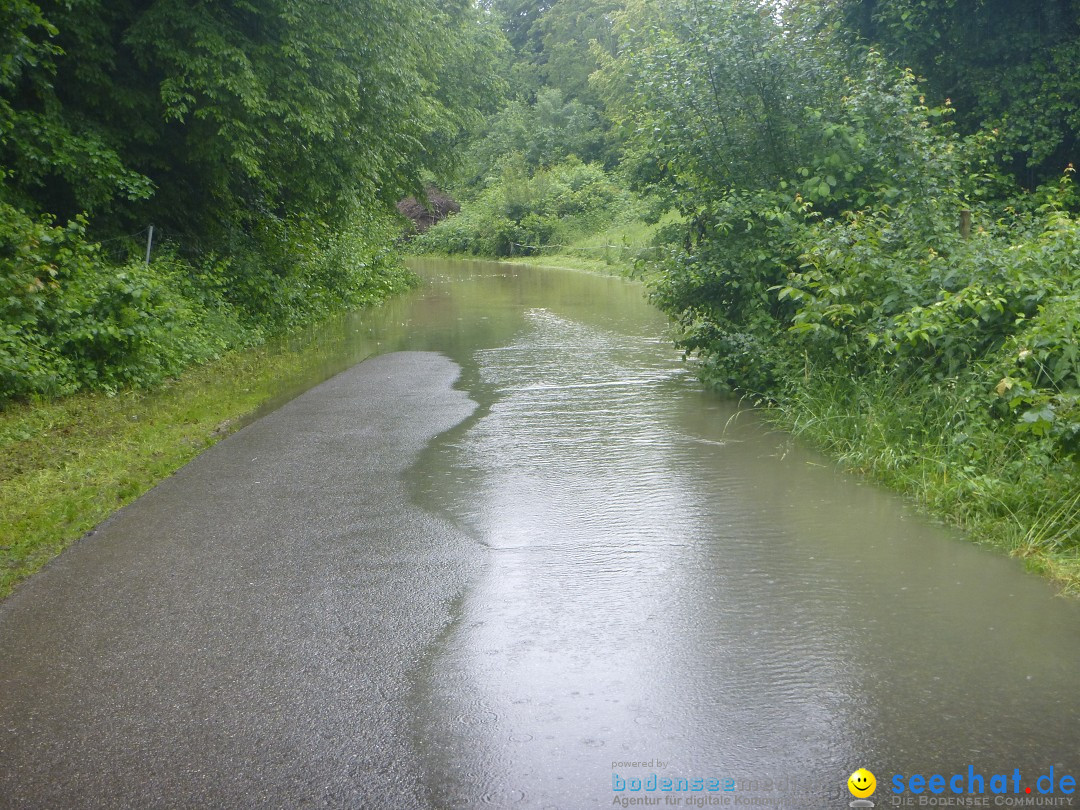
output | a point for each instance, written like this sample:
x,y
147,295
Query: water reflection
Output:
x,y
668,583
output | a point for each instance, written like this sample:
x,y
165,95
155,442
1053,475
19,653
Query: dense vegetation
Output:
x,y
875,228
265,142
542,169
524,211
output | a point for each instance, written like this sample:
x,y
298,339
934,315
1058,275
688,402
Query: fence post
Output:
x,y
149,242
965,223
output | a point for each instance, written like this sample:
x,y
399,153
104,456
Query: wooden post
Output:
x,y
149,242
965,223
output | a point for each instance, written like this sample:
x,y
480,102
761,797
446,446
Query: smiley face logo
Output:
x,y
861,783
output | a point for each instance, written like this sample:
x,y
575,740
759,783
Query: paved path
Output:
x,y
244,634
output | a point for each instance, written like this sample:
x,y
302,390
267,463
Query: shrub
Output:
x,y
71,320
524,213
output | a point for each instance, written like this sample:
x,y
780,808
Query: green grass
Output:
x,y
940,448
612,251
67,464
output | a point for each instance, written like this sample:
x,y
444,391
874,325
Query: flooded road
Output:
x,y
668,581
629,581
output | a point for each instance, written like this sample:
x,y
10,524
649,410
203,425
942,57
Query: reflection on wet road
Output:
x,y
666,580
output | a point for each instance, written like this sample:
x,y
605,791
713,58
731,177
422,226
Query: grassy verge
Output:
x,y
566,261
612,251
932,445
67,464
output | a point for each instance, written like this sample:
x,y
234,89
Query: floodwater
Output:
x,y
594,578
668,582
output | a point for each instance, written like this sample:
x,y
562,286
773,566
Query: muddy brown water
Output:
x,y
668,580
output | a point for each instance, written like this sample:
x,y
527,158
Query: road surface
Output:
x,y
243,635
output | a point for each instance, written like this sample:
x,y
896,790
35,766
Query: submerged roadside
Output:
x,y
935,445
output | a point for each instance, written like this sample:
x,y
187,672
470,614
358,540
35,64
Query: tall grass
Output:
x,y
612,250
939,447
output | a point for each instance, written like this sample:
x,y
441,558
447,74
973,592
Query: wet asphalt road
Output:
x,y
244,634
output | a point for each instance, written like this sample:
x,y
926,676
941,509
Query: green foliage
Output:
x,y
570,31
884,290
296,269
540,134
553,111
71,320
213,115
843,231
716,284
1013,66
269,112
524,212
519,22
820,263
266,141
716,95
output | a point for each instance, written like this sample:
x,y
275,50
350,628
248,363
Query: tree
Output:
x,y
210,118
1003,64
716,92
519,22
569,28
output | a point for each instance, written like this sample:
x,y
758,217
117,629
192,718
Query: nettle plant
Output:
x,y
1039,363
880,289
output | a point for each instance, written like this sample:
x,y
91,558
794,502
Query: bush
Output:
x,y
524,213
71,320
